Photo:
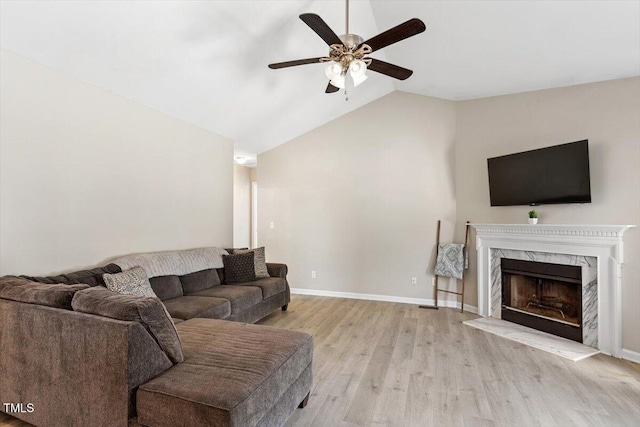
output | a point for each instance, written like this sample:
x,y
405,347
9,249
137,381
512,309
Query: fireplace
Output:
x,y
597,249
543,296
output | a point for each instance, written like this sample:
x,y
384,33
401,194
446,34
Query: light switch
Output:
x,y
272,225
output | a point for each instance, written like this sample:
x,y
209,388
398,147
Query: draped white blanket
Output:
x,y
176,263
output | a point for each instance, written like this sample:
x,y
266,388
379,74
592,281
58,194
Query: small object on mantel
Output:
x,y
533,217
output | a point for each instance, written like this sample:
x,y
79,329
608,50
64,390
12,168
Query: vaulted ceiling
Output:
x,y
205,62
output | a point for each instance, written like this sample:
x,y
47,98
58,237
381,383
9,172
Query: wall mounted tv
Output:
x,y
558,174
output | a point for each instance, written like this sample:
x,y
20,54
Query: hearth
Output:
x,y
543,296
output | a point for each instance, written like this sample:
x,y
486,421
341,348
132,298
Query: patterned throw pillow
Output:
x,y
130,282
239,268
259,262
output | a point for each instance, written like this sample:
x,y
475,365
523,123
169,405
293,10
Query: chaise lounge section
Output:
x,y
261,375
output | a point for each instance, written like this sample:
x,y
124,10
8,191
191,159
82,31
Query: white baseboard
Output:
x,y
387,298
630,355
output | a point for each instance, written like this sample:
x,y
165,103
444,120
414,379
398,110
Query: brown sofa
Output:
x,y
83,369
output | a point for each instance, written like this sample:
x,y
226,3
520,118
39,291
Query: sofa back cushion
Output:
x,y
199,281
91,277
147,310
23,290
166,287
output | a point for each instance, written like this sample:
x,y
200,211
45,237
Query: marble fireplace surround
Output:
x,y
583,245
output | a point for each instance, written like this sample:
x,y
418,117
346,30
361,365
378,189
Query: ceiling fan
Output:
x,y
347,52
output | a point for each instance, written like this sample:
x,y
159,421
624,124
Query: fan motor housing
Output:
x,y
351,40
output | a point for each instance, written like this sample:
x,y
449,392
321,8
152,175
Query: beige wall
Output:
x,y
241,206
357,199
608,114
86,175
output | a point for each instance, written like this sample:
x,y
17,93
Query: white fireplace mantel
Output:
x,y
604,242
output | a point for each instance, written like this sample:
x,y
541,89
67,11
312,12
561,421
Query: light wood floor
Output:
x,y
388,364
379,364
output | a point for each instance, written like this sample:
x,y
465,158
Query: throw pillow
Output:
x,y
147,310
239,268
131,282
259,262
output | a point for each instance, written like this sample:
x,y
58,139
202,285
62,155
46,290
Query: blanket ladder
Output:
x,y
435,288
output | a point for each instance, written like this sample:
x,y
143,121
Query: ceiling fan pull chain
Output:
x,y
346,97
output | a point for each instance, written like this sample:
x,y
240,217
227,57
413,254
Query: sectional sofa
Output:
x,y
82,368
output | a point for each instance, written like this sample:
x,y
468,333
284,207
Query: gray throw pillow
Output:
x,y
147,310
259,261
131,282
238,268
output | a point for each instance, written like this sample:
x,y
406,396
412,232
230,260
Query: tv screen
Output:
x,y
558,174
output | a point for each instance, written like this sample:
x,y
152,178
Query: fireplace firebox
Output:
x,y
543,296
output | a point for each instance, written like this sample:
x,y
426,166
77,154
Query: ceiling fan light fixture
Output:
x,y
336,75
358,79
358,70
339,81
332,70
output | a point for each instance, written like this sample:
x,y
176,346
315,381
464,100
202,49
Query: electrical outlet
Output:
x,y
272,225
313,274
414,280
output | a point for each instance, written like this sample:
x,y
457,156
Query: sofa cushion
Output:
x,y
166,287
259,263
270,286
241,297
199,280
233,374
188,307
239,268
131,282
91,277
147,310
23,290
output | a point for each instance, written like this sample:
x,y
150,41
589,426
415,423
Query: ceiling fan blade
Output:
x,y
321,28
331,88
400,32
294,63
389,69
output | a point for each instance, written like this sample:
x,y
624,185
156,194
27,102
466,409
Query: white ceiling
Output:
x,y
206,62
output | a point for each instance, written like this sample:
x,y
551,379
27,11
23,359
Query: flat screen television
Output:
x,y
558,174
